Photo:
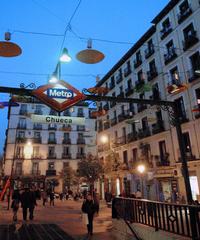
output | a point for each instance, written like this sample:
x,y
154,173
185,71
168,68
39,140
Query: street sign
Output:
x,y
56,119
59,96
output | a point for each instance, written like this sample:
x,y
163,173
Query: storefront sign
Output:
x,y
59,96
56,119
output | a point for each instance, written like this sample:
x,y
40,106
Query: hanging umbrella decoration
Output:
x,y
89,55
9,49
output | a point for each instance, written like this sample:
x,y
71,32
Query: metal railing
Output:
x,y
175,218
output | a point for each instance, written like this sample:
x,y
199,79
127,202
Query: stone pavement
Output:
x,y
67,216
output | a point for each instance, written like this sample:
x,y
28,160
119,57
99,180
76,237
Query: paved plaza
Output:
x,y
61,222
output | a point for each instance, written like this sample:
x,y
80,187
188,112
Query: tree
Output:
x,y
69,177
112,162
90,168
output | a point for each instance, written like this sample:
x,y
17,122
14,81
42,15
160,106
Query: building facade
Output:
x,y
164,64
40,152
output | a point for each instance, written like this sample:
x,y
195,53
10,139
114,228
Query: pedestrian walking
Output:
x,y
52,196
44,197
28,201
15,204
89,209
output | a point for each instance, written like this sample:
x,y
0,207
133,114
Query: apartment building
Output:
x,y
41,151
166,57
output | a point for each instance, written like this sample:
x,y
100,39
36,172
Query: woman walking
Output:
x,y
89,208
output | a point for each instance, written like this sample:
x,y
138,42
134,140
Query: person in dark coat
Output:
x,y
51,196
28,201
89,207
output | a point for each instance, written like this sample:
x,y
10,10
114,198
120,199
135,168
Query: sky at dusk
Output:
x,y
115,20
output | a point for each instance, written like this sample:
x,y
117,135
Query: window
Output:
x,y
170,47
81,150
24,107
129,84
36,134
67,113
125,157
51,166
19,151
166,24
124,132
115,114
133,128
135,154
188,31
18,168
80,112
51,151
184,7
175,76
144,123
155,90
159,116
140,76
22,122
53,112
66,150
162,149
122,110
66,136
138,56
35,168
80,135
36,151
181,108
38,109
195,61
197,93
52,136
121,89
152,66
116,136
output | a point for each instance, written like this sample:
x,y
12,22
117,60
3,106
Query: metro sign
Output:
x,y
59,96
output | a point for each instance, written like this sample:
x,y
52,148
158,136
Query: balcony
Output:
x,y
23,112
155,95
112,104
21,139
121,95
184,14
36,172
120,141
37,126
119,78
137,62
170,56
113,122
52,141
80,128
190,41
80,141
19,156
51,156
192,76
111,86
106,125
21,126
52,127
165,32
175,86
129,91
149,51
103,147
163,161
80,156
142,133
158,127
80,114
127,71
131,137
38,112
50,173
37,140
141,107
152,74
66,156
66,141
124,115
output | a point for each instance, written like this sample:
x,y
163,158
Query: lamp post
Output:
x,y
141,169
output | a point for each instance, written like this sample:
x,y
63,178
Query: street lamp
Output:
x,y
141,169
64,58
